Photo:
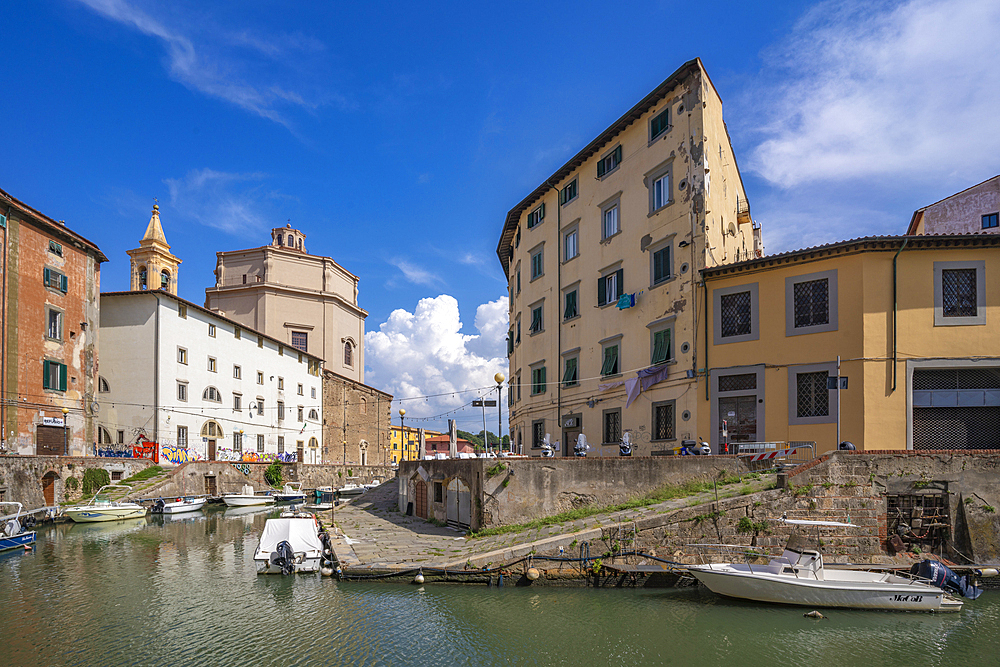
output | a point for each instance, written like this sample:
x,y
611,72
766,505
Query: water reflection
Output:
x,y
185,592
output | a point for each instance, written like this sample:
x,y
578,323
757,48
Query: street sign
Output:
x,y
481,404
53,421
831,382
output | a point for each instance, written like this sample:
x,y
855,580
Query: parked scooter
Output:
x,y
625,447
581,447
548,451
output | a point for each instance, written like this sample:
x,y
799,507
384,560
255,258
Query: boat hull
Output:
x,y
289,497
306,566
94,514
184,506
17,542
780,589
247,501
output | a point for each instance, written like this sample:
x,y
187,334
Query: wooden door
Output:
x,y
210,488
51,440
211,450
49,488
420,502
300,451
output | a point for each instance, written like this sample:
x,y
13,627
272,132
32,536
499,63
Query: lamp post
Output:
x,y
65,412
499,380
402,434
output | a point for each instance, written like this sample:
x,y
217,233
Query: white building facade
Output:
x,y
203,386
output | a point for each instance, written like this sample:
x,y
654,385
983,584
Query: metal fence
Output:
x,y
770,455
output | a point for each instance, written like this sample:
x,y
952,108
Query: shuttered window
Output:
x,y
610,366
610,287
55,279
659,124
570,374
53,375
571,310
661,346
610,162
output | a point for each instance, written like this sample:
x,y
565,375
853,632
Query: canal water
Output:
x,y
170,592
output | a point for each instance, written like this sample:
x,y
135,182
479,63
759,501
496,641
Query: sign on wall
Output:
x,y
53,421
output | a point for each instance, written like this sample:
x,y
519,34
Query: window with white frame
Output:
x,y
536,216
237,372
237,402
537,323
610,223
260,443
610,287
537,263
182,356
281,383
659,181
182,391
182,436
237,441
569,192
212,364
609,162
211,330
281,410
571,244
212,394
301,413
54,330
300,391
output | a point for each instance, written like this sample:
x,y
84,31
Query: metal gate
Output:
x,y
956,408
51,440
740,412
459,504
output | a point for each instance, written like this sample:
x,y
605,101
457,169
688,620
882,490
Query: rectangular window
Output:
x,y
517,333
610,288
300,414
182,436
439,492
211,330
53,375
260,377
55,326
659,124
812,394
260,406
538,433
661,347
211,364
958,293
661,265
519,385
260,443
571,308
260,341
55,279
991,220
517,278
812,303
569,193
612,426
121,437
663,421
661,191
56,249
281,382
537,264
182,391
237,441
536,320
609,162
182,311
182,356
510,342
538,380
735,314
570,374
281,444
300,391
312,392
236,332
237,372
610,365
237,402
741,382
571,245
300,340
609,222
537,216
281,410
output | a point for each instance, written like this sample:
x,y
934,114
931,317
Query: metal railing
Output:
x,y
760,456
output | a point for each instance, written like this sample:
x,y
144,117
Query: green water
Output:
x,y
185,593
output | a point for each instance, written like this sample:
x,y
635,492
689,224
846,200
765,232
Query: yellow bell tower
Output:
x,y
153,267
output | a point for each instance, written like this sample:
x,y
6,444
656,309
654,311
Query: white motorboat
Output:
x,y
289,544
798,577
292,492
14,533
246,498
374,484
102,508
352,488
178,506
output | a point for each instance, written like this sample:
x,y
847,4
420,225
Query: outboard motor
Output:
x,y
941,576
283,557
158,506
625,448
581,446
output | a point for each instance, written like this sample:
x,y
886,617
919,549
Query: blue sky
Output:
x,y
398,135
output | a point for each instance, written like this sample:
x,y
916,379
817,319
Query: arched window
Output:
x,y
348,354
313,443
212,394
102,385
142,277
211,429
291,241
300,244
279,239
313,414
164,279
364,405
103,436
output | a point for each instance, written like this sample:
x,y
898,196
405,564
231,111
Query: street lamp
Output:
x,y
499,380
402,435
65,412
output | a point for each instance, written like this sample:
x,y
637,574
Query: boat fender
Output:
x,y
813,614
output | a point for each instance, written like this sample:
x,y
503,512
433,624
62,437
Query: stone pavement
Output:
x,y
373,535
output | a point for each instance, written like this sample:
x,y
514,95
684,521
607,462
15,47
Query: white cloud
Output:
x,y
416,274
425,353
233,203
208,67
906,90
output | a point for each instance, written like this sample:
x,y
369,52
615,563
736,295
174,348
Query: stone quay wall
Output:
x,y
201,477
512,491
24,479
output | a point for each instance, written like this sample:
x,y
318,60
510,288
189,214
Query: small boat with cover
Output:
x,y
246,498
15,531
292,543
292,492
102,508
178,506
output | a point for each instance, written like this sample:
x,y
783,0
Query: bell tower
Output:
x,y
153,267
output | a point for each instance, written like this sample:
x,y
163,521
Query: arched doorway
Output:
x,y
459,503
212,431
420,502
49,488
363,448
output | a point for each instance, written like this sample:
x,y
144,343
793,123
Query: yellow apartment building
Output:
x,y
913,319
411,452
602,261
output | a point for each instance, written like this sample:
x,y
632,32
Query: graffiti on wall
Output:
x,y
178,455
242,467
225,454
140,450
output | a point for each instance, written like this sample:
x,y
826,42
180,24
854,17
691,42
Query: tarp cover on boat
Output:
x,y
300,533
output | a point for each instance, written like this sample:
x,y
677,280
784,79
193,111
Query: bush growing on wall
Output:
x,y
272,475
72,483
94,479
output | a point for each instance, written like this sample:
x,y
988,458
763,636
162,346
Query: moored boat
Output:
x,y
14,533
246,498
178,506
292,543
353,487
102,508
292,492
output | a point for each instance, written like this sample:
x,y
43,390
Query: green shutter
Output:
x,y
618,156
601,292
63,283
610,360
45,372
661,346
600,168
541,212
45,276
569,377
570,305
541,375
62,377
621,282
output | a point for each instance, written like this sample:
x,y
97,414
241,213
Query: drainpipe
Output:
x,y
156,371
895,304
708,383
3,338
559,312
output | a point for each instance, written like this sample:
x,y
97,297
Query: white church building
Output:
x,y
199,384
